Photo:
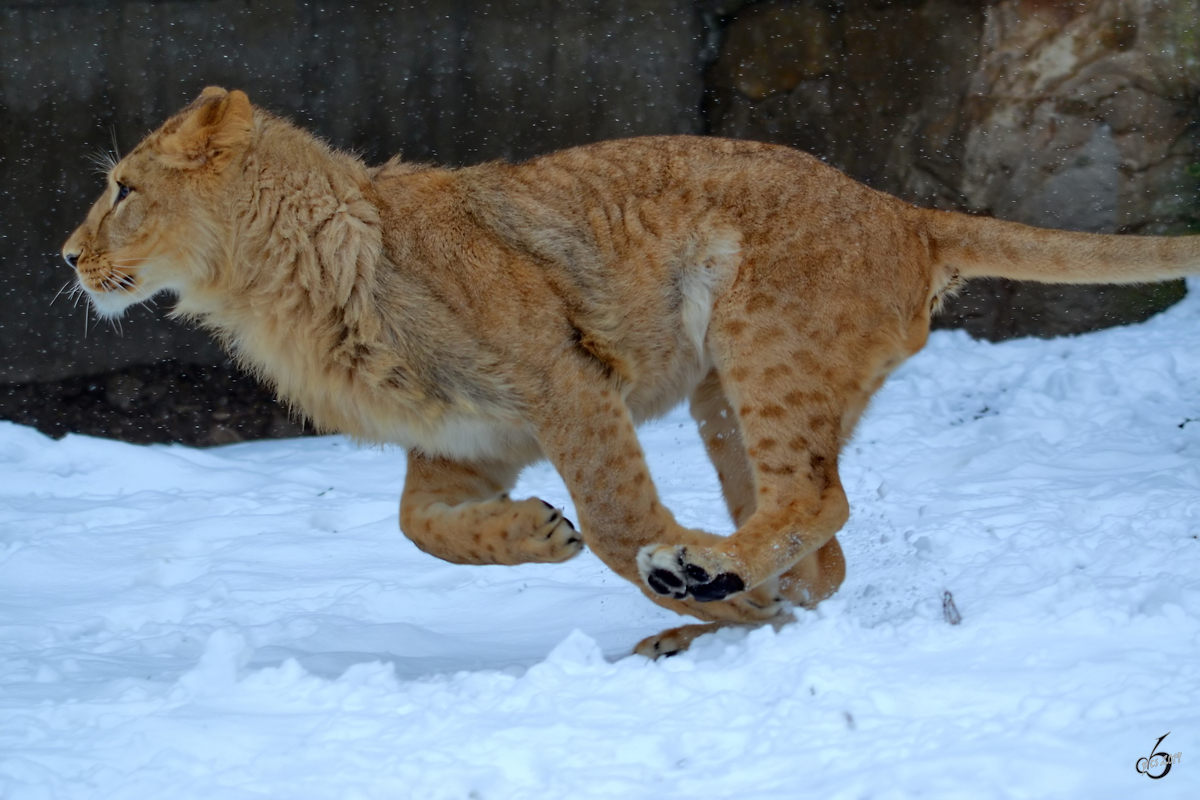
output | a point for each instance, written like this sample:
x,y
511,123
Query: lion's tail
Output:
x,y
977,247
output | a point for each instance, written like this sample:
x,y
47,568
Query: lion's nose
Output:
x,y
72,259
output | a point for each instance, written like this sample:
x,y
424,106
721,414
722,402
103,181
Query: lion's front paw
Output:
x,y
678,571
552,537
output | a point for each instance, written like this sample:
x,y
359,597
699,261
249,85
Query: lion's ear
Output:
x,y
210,132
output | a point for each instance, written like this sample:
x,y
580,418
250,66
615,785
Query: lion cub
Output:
x,y
488,317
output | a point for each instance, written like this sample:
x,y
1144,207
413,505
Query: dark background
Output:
x,y
1063,114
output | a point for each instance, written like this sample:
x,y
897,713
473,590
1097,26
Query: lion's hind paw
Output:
x,y
677,572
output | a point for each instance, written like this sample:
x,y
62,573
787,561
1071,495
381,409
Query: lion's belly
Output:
x,y
464,438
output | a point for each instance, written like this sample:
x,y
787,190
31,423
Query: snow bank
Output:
x,y
248,622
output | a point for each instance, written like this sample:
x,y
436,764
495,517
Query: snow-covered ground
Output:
x,y
248,622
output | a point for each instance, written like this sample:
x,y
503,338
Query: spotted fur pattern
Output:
x,y
488,317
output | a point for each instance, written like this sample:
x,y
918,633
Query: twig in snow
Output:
x,y
949,610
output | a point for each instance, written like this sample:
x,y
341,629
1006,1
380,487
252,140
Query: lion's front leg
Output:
x,y
587,432
461,512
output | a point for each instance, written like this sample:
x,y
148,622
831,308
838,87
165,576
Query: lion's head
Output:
x,y
161,221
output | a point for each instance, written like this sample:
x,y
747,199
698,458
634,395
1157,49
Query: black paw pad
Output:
x,y
718,588
695,574
664,582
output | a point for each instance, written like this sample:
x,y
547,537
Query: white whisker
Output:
x,y
103,161
60,291
133,260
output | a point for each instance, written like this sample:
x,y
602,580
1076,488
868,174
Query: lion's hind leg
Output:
x,y
813,579
461,512
796,382
674,641
817,575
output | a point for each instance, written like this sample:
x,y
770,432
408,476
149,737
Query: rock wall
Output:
x,y
1084,115
1076,115
452,81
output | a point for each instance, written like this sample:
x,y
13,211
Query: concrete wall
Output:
x,y
452,81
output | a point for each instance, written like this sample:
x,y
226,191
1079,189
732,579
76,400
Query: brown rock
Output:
x,y
772,47
873,88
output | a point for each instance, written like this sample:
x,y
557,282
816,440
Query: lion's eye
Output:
x,y
122,192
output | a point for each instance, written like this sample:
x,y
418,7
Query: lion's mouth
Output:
x,y
111,289
111,282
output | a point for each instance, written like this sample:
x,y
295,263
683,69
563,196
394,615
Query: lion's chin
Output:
x,y
111,305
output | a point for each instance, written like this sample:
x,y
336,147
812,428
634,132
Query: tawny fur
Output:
x,y
487,317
